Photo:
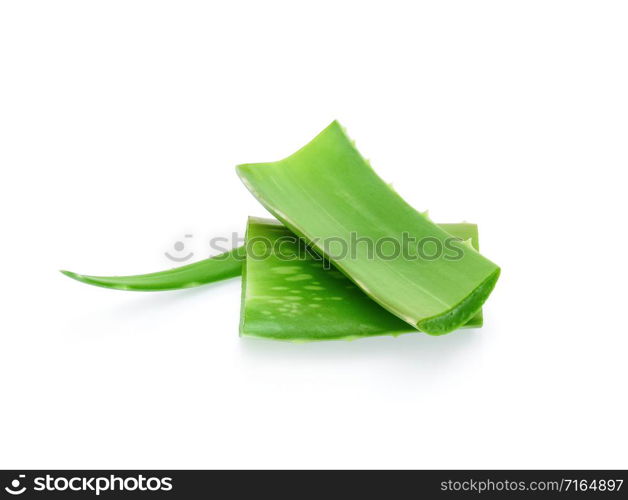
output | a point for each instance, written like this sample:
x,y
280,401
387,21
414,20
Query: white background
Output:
x,y
120,126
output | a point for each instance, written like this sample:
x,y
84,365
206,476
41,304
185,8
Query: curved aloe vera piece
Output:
x,y
220,267
327,192
288,294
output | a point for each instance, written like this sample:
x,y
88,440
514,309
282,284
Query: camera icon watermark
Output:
x,y
182,254
14,488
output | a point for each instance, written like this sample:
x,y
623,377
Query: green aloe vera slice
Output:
x,y
332,306
326,192
288,294
220,267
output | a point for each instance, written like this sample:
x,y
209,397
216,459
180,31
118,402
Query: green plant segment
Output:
x,y
327,192
290,295
223,266
318,277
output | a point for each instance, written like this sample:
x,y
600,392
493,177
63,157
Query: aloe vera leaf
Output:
x,y
326,192
287,294
220,267
229,265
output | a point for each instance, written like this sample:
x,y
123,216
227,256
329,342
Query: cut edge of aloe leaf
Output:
x,y
320,178
461,313
217,268
243,285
